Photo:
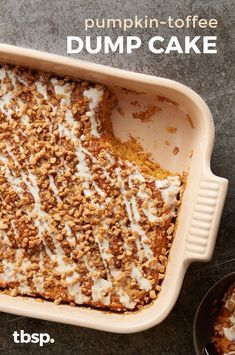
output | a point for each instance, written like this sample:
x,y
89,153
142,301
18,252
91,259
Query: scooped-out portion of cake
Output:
x,y
81,220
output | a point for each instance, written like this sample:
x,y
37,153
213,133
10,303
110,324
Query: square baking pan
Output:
x,y
180,136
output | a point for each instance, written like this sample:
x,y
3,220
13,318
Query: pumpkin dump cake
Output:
x,y
84,218
224,328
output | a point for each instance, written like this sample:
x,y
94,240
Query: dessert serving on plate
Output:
x,y
84,218
224,327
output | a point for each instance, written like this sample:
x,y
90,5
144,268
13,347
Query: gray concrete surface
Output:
x,y
43,24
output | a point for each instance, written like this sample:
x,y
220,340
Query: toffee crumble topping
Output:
x,y
81,221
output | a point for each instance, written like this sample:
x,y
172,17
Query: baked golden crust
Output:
x,y
82,221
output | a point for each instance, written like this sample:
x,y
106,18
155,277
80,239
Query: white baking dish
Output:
x,y
203,199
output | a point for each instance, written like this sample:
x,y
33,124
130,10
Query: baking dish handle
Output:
x,y
206,217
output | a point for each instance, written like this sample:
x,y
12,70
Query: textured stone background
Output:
x,y
43,24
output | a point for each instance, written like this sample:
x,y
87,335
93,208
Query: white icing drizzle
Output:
x,y
60,90
15,182
8,273
100,288
42,89
169,188
142,281
131,215
230,333
4,236
24,265
12,76
94,96
125,299
135,210
229,299
2,73
232,319
54,188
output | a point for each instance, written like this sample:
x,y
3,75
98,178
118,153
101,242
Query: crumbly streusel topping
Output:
x,y
78,223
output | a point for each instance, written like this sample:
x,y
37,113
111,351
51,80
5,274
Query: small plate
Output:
x,y
207,312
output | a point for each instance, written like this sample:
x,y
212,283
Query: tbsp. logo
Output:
x,y
35,338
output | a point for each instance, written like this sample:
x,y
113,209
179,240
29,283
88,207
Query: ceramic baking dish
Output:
x,y
203,200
